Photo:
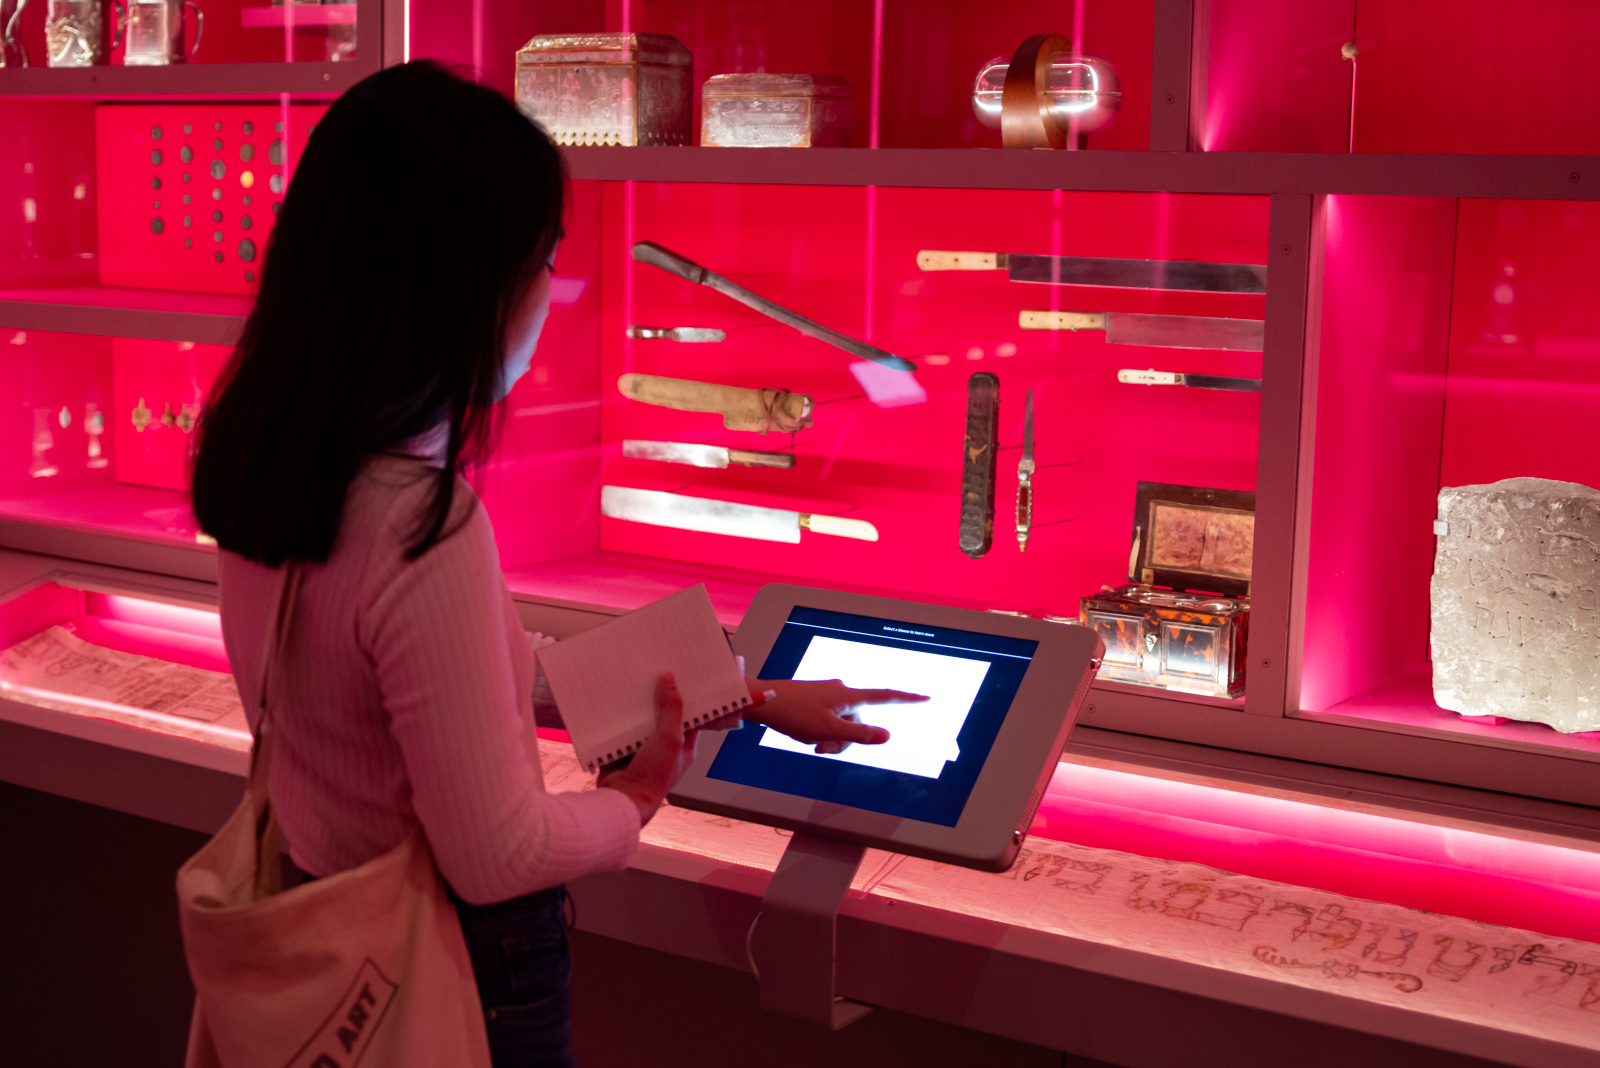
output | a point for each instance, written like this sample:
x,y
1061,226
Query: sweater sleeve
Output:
x,y
438,638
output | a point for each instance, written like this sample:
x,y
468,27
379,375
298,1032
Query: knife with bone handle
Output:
x,y
679,452
1163,331
708,516
1171,378
693,334
978,462
756,410
657,256
1185,275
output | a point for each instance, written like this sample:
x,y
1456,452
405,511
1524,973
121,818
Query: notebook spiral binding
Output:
x,y
707,717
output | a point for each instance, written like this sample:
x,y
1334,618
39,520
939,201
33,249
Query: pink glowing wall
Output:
x,y
1379,410
1476,76
852,265
199,224
1524,344
1460,345
542,488
1275,81
47,183
931,50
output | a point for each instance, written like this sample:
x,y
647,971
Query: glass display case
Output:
x,y
1417,315
1420,245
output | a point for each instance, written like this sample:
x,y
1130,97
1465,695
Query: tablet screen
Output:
x,y
927,769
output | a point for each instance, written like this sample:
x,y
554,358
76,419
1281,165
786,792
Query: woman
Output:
x,y
407,282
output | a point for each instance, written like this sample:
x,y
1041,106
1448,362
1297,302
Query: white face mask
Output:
x,y
523,330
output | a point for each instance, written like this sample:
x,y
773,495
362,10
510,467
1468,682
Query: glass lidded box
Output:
x,y
608,88
1182,621
775,111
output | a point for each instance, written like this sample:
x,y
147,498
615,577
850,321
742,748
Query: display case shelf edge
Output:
x,y
113,549
185,80
1237,173
147,323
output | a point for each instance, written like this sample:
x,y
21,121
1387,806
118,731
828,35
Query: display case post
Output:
x,y
793,941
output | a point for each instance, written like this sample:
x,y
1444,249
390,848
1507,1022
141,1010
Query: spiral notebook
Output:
x,y
604,680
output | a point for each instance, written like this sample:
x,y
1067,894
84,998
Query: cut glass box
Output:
x,y
1182,622
608,88
775,111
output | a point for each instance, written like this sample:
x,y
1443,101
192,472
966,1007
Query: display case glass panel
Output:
x,y
884,446
1459,348
1427,76
76,647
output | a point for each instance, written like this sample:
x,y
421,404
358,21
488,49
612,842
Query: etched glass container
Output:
x,y
775,111
607,88
73,33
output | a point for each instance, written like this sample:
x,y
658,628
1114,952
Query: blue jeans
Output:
x,y
522,963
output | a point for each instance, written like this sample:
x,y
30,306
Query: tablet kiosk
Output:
x,y
959,780
961,776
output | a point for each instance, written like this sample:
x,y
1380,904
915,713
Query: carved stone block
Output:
x,y
1515,630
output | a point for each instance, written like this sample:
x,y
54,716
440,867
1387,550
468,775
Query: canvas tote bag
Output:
x,y
366,967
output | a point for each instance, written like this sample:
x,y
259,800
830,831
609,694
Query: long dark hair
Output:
x,y
422,209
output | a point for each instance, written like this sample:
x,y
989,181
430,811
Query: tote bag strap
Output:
x,y
269,842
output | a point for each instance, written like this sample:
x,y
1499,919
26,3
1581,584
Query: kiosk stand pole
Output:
x,y
795,935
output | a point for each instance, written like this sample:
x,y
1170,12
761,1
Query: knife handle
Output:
x,y
934,260
839,527
1061,320
668,260
757,410
751,458
1149,378
1024,514
979,457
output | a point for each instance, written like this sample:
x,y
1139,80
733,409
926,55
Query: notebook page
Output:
x,y
604,680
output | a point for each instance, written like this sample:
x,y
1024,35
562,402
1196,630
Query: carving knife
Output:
x,y
677,333
1025,478
978,461
678,452
725,517
1165,331
657,256
1098,271
1170,378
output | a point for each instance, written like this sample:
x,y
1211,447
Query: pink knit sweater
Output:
x,y
409,697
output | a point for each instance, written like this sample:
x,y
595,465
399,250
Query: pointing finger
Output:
x,y
887,697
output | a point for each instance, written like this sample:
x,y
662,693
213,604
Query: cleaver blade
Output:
x,y
1185,332
700,514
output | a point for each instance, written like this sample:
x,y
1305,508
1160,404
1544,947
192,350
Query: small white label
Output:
x,y
1441,529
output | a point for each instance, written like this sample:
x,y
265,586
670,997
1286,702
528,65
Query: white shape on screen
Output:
x,y
921,736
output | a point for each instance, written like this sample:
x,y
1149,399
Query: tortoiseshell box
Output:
x,y
1183,621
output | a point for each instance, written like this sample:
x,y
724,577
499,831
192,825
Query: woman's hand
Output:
x,y
661,761
822,714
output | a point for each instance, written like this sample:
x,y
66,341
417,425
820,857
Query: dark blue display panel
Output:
x,y
927,770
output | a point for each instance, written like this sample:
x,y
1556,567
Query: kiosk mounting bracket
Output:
x,y
796,933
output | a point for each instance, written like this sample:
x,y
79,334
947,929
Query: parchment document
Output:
x,y
58,662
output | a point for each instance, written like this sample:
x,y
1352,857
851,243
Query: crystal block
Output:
x,y
1515,631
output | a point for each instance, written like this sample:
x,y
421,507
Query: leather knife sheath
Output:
x,y
978,464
